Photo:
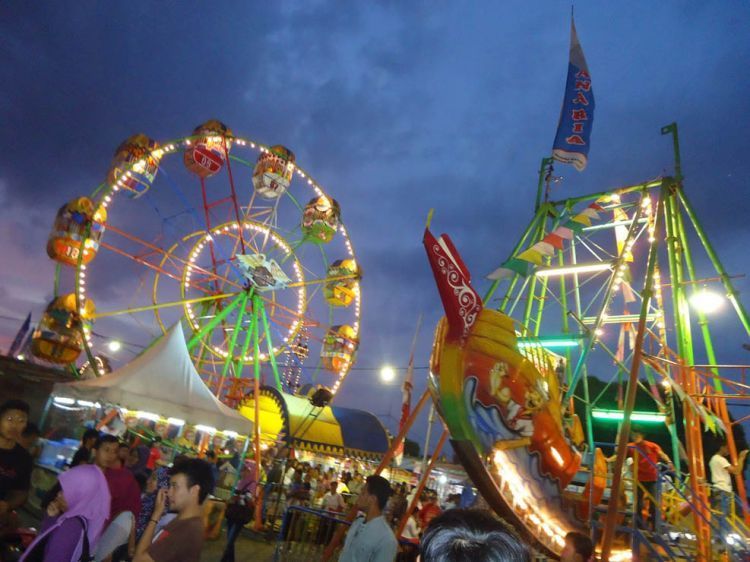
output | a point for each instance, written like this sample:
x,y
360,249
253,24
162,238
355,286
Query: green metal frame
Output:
x,y
673,214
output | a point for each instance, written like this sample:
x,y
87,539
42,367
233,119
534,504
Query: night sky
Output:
x,y
394,107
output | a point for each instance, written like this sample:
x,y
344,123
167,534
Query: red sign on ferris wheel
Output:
x,y
211,160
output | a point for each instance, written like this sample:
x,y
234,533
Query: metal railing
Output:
x,y
671,503
305,532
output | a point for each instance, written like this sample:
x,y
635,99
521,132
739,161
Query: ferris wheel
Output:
x,y
227,236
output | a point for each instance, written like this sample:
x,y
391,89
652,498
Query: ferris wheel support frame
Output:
x,y
673,202
104,194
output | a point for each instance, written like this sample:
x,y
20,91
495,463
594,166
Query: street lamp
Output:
x,y
387,374
114,346
706,301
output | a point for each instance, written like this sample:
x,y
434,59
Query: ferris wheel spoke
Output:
x,y
228,266
271,223
233,339
144,262
166,255
321,280
213,322
159,306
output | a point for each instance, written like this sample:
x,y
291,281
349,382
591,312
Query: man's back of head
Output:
x,y
379,488
578,548
464,535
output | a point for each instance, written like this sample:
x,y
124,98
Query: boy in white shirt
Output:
x,y
333,501
722,493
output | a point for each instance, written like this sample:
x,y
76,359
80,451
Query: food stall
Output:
x,y
328,437
158,393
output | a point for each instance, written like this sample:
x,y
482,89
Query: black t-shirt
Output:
x,y
274,475
15,470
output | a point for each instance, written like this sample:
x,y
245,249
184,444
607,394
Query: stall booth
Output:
x,y
158,393
344,439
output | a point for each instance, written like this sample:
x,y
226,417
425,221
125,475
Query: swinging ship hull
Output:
x,y
503,413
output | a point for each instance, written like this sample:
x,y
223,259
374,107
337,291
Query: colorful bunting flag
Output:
x,y
580,218
627,293
531,255
518,266
554,240
544,248
523,263
590,213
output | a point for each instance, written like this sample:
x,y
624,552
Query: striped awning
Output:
x,y
329,430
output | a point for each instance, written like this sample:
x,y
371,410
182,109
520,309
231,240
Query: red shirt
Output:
x,y
124,490
153,457
428,512
647,451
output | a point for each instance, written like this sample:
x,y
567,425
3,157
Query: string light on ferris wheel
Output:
x,y
117,185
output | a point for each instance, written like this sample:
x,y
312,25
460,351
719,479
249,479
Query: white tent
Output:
x,y
162,380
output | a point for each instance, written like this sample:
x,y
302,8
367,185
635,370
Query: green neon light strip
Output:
x,y
621,318
612,224
619,415
560,343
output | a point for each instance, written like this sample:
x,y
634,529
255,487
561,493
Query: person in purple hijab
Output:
x,y
80,510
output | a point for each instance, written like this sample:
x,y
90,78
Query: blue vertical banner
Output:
x,y
577,117
18,340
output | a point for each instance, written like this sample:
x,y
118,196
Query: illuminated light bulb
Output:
x,y
706,301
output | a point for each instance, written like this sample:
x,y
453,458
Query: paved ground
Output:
x,y
247,547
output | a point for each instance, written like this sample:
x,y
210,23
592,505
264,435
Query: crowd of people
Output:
x,y
110,504
119,501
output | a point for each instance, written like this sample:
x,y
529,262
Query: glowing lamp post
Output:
x,y
387,374
706,301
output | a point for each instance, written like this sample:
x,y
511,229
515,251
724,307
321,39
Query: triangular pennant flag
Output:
x,y
544,248
563,232
627,293
499,273
582,219
596,207
631,335
510,267
554,240
519,266
531,255
574,226
710,424
591,213
620,353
